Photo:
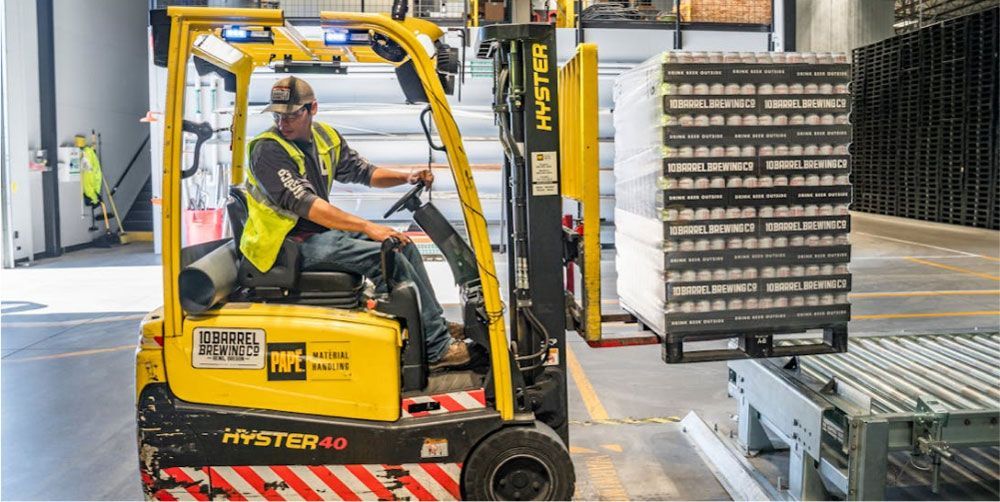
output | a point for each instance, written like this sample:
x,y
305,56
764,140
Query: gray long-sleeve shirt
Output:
x,y
279,178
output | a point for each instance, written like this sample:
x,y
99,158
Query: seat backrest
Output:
x,y
285,271
236,210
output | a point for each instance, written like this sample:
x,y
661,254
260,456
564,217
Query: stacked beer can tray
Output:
x,y
732,192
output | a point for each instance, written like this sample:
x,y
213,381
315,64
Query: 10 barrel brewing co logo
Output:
x,y
228,348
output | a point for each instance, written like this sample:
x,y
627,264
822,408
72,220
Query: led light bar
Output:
x,y
340,36
336,37
240,34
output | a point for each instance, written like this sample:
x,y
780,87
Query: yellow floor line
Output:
x,y
590,400
604,477
926,314
954,269
70,354
137,236
989,258
905,294
600,469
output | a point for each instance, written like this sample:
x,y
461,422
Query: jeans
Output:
x,y
336,250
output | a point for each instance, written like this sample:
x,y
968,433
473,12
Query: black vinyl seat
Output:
x,y
286,282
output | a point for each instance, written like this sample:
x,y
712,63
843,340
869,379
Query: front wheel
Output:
x,y
519,463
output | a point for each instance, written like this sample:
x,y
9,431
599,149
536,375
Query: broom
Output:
x,y
122,235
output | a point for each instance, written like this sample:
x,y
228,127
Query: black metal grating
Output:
x,y
926,123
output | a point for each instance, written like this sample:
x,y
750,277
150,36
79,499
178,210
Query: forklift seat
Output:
x,y
286,282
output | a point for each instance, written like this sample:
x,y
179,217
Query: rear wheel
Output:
x,y
519,463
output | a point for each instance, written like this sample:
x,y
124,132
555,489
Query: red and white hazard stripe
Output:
x,y
450,402
183,483
426,481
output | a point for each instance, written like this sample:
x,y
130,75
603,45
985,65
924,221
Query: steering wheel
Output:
x,y
409,201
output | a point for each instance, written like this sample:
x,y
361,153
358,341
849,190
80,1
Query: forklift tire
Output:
x,y
519,463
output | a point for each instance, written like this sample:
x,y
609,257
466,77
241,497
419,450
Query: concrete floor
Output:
x,y
69,326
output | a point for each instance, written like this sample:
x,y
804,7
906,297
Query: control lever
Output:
x,y
203,131
388,259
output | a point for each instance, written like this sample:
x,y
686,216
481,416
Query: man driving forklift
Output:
x,y
292,169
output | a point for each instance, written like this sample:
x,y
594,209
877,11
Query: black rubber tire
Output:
x,y
519,463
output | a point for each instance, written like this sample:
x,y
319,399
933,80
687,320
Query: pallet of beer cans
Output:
x,y
732,192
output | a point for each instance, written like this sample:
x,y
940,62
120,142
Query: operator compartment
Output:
x,y
291,338
289,358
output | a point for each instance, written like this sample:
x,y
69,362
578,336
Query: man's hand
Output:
x,y
424,174
379,233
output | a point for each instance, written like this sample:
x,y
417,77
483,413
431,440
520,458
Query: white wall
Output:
x,y
101,84
22,129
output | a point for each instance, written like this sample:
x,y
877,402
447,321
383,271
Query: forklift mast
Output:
x,y
525,91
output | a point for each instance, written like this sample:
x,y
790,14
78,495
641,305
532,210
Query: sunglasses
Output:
x,y
288,117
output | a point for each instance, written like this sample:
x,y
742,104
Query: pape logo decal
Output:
x,y
286,361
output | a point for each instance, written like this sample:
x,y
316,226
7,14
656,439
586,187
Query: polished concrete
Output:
x,y
69,326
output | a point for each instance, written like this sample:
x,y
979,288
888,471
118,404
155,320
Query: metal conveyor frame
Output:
x,y
842,415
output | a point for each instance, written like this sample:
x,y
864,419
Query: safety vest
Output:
x,y
267,224
90,176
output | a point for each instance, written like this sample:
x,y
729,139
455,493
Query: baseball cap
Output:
x,y
289,94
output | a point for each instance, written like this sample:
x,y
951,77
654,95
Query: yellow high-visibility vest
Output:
x,y
267,224
90,176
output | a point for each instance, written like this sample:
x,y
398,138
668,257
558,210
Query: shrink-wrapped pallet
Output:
x,y
732,192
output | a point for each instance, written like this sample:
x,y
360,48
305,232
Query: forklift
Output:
x,y
306,384
293,383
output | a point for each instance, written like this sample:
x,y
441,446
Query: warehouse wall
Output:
x,y
21,59
101,84
841,25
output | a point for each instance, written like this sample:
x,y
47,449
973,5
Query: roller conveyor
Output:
x,y
903,413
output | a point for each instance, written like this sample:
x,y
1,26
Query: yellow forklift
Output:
x,y
305,384
294,383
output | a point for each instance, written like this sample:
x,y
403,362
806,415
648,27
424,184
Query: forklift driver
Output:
x,y
292,168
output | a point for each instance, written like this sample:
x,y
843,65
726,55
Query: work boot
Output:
x,y
456,330
456,355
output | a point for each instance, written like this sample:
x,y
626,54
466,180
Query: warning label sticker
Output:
x,y
434,448
544,168
228,348
545,189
